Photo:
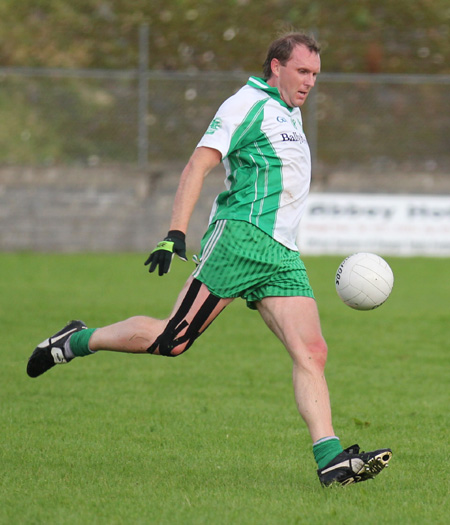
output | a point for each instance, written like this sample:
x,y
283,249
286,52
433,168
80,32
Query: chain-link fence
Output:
x,y
379,122
368,123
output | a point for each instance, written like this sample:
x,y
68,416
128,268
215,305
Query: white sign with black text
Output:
x,y
338,223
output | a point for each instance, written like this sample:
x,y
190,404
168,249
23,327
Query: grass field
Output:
x,y
213,437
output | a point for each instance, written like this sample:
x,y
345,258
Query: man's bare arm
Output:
x,y
202,161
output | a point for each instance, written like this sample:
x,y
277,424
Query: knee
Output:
x,y
319,352
313,355
177,350
170,342
168,348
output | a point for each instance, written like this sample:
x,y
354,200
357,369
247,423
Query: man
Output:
x,y
248,251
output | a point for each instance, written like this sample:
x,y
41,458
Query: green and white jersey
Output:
x,y
266,159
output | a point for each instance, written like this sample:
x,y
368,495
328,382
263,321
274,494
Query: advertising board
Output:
x,y
338,223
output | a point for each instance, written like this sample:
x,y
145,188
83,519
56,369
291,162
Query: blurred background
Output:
x,y
102,103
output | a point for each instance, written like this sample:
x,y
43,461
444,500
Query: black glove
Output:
x,y
163,254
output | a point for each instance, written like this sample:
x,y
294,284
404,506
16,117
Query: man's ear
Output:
x,y
275,66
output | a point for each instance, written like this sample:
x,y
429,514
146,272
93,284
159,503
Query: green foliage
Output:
x,y
214,436
377,36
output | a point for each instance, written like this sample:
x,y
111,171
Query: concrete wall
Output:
x,y
93,209
124,209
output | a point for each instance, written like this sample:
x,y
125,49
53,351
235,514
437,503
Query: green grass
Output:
x,y
214,436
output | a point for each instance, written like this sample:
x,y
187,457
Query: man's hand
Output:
x,y
162,255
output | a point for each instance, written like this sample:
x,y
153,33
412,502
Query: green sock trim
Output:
x,y
325,451
79,342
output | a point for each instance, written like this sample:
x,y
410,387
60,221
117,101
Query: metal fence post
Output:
x,y
313,128
143,96
312,131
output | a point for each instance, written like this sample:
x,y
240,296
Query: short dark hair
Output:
x,y
282,47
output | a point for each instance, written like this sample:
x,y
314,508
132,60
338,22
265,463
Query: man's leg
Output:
x,y
295,321
137,334
194,311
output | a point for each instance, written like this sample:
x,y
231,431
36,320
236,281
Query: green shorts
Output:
x,y
238,259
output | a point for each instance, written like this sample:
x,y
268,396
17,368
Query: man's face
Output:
x,y
297,77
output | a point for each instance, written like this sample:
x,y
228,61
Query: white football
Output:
x,y
364,281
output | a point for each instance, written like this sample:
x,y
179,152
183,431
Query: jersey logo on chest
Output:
x,y
293,137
